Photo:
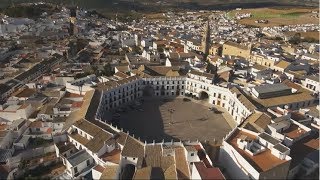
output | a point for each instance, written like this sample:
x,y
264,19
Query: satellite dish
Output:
x,y
286,107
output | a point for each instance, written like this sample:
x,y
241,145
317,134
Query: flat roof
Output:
x,y
269,88
78,157
269,138
294,131
281,148
261,162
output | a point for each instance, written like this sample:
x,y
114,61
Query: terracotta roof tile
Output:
x,y
208,173
261,162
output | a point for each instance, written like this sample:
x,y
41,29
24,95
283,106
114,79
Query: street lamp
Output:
x,y
171,112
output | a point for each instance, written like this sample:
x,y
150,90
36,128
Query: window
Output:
x,y
88,162
75,170
192,154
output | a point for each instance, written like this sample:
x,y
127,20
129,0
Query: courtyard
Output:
x,y
177,119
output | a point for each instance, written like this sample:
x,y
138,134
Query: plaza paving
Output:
x,y
174,119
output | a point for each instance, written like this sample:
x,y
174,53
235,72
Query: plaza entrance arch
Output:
x,y
148,91
203,95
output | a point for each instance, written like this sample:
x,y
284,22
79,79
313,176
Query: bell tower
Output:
x,y
205,42
73,19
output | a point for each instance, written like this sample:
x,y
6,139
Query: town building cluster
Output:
x,y
63,72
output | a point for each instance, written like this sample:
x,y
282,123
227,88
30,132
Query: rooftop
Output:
x,y
230,43
133,148
257,122
110,172
78,157
282,64
294,131
271,88
64,147
143,173
181,163
113,156
208,173
284,100
243,98
261,162
302,148
269,138
26,92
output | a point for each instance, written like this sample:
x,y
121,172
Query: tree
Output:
x,y
94,69
108,71
296,39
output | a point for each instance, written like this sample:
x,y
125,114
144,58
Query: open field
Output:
x,y
187,121
277,16
155,17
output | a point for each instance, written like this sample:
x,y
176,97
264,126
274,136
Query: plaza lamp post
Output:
x,y
171,112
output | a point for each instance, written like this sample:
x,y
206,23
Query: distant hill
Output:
x,y
180,4
134,9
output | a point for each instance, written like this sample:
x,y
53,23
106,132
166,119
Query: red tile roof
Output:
x,y
49,130
35,124
99,168
208,173
77,104
262,161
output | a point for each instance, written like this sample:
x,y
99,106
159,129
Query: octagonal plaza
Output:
x,y
166,119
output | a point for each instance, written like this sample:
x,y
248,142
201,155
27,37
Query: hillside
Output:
x,y
135,9
184,4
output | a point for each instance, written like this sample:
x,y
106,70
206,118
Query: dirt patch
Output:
x,y
174,119
311,34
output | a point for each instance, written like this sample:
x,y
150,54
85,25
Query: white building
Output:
x,y
312,83
248,155
82,85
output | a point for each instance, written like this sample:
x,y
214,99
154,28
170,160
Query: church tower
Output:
x,y
72,20
205,43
